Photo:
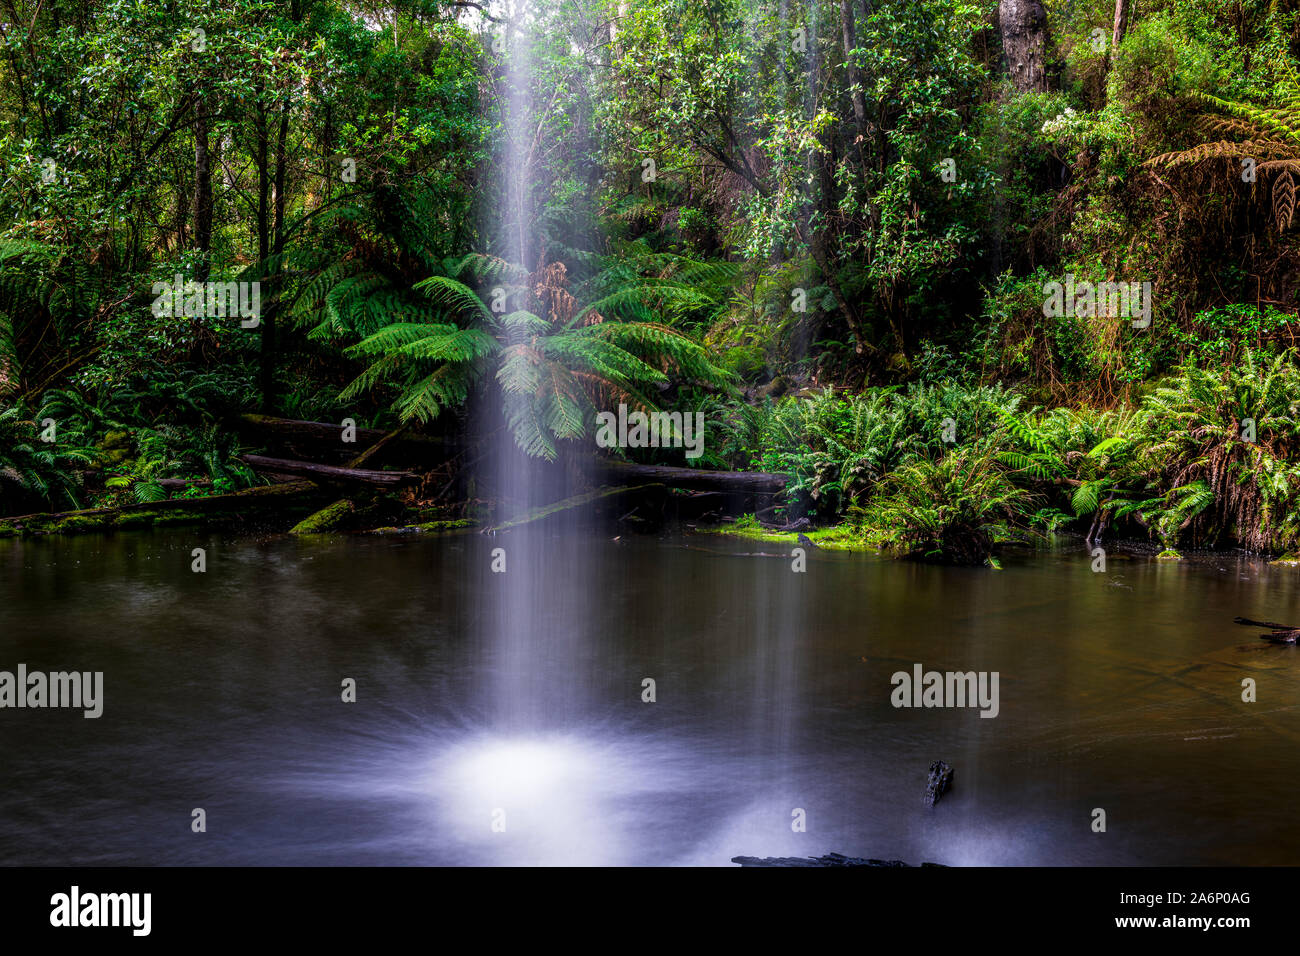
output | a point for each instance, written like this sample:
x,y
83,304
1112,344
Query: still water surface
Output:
x,y
1119,690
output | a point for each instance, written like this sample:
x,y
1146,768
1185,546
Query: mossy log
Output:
x,y
334,514
327,519
446,526
173,511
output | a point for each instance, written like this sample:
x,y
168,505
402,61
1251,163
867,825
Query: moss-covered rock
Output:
x,y
841,537
447,526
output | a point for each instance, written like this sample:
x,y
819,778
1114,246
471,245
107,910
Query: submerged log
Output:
x,y
830,859
1281,633
577,501
697,479
938,783
330,474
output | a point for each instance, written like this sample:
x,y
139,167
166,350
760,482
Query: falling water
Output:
x,y
559,757
524,784
513,631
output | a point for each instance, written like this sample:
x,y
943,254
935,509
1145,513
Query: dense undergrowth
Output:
x,y
1207,458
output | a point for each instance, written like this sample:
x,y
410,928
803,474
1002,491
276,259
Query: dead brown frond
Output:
x,y
1284,199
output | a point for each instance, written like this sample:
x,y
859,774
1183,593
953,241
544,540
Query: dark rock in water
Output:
x,y
939,783
830,859
806,541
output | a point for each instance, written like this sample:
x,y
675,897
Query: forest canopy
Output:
x,y
1066,227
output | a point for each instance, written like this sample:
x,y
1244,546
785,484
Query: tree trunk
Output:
x,y
327,473
323,440
202,190
174,511
849,33
1121,25
261,157
1023,28
272,306
615,472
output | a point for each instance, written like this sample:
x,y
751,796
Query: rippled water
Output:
x,y
1119,690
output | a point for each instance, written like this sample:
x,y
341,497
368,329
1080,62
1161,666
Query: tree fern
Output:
x,y
1268,136
555,362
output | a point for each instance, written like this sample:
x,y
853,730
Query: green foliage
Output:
x,y
1213,482
882,171
1223,333
836,448
173,452
955,509
554,360
35,473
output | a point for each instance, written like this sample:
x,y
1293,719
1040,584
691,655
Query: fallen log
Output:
x,y
293,428
172,511
336,513
327,519
576,501
377,447
830,859
696,479
328,474
1281,633
328,436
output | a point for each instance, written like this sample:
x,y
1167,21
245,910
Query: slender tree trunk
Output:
x,y
849,34
1121,24
272,308
202,190
262,159
281,173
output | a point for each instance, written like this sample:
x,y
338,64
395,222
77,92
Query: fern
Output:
x,y
1269,136
555,362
